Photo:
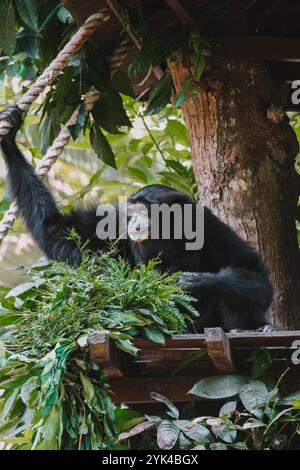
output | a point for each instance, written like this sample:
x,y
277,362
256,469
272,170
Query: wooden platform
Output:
x,y
173,368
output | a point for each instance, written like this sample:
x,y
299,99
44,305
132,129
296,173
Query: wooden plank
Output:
x,y
247,339
219,350
137,390
113,361
263,340
181,12
260,48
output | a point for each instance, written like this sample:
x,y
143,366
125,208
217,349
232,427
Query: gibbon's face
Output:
x,y
139,222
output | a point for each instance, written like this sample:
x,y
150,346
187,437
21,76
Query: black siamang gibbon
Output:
x,y
226,276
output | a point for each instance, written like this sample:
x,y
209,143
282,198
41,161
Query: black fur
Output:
x,y
227,277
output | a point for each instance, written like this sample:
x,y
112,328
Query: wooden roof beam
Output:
x,y
260,48
117,10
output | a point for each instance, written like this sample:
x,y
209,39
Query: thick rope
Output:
x,y
52,71
64,135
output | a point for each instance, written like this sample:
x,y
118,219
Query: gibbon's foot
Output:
x,y
262,329
12,114
267,328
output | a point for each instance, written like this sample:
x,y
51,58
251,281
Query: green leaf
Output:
x,y
223,386
28,11
64,15
88,388
167,435
217,446
126,419
52,430
262,363
136,430
138,174
178,130
253,423
195,431
253,395
121,83
154,334
76,128
224,432
173,409
7,29
127,346
159,96
290,399
109,113
228,408
101,146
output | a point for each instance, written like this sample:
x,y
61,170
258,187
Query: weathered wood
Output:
x,y
181,12
260,48
172,369
244,339
111,359
219,350
138,390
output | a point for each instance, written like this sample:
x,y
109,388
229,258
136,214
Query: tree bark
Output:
x,y
243,152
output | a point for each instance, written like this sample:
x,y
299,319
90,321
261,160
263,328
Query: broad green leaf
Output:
x,y
7,29
183,440
154,334
136,430
173,409
126,419
159,96
224,432
101,146
253,423
217,446
52,430
228,408
221,386
121,83
178,130
88,388
28,11
253,395
110,114
8,404
167,435
139,174
194,431
127,346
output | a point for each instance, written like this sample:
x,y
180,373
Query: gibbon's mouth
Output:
x,y
138,234
138,225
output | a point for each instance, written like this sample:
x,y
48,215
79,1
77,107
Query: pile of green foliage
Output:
x,y
255,416
53,396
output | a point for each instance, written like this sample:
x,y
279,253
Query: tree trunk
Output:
x,y
243,152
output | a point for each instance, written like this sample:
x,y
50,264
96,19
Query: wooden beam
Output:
x,y
117,10
181,12
113,361
137,390
218,349
247,339
260,48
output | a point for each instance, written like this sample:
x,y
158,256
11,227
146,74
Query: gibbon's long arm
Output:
x,y
37,207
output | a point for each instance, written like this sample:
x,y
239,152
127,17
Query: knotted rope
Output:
x,y
46,79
